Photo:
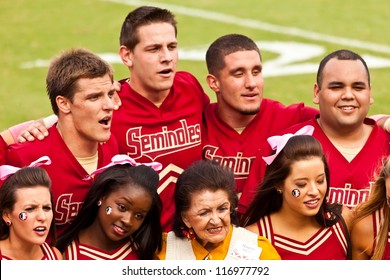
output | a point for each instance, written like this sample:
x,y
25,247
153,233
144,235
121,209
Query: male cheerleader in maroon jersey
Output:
x,y
354,144
161,114
242,119
80,88
3,148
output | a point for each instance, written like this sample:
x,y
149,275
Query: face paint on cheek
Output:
x,y
296,193
388,200
23,216
108,210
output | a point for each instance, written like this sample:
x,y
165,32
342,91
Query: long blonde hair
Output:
x,y
377,202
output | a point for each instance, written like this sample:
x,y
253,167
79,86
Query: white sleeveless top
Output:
x,y
243,245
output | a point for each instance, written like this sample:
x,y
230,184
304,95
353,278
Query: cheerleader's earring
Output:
x,y
189,233
8,223
99,203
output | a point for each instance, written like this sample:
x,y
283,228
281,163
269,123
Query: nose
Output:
x,y
109,103
166,55
127,219
313,189
250,81
41,215
348,93
214,218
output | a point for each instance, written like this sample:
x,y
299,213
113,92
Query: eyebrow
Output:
x,y
359,83
208,208
307,178
159,45
127,200
91,94
342,83
34,204
257,67
132,204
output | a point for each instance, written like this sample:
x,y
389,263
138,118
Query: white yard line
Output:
x,y
260,25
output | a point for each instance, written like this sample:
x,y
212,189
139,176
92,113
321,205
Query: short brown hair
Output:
x,y
225,45
141,16
70,66
340,55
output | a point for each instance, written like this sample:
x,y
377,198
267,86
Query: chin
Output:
x,y
104,137
249,112
39,241
218,239
166,86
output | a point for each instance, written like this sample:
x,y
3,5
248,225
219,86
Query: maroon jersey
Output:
x,y
3,148
78,251
328,243
377,219
48,253
70,181
169,134
350,182
224,144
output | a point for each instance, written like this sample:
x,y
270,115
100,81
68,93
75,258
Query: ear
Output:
x,y
213,82
371,99
126,56
5,216
185,220
63,104
316,93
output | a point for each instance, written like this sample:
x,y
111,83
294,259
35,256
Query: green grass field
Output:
x,y
293,36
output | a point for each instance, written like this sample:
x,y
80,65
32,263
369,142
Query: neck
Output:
x,y
17,250
79,146
210,246
292,220
156,97
348,142
236,120
94,236
346,134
